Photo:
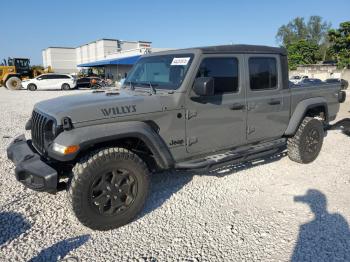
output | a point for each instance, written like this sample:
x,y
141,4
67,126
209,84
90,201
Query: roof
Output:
x,y
243,49
59,47
226,49
116,61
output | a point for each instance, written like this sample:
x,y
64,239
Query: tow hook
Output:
x,y
67,123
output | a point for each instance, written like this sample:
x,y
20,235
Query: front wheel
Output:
x,y
108,188
306,144
14,83
31,87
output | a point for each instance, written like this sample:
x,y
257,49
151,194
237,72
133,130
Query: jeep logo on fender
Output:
x,y
119,110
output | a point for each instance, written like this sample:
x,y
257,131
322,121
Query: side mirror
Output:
x,y
204,86
39,78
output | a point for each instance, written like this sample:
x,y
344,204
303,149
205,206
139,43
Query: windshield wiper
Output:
x,y
151,86
131,86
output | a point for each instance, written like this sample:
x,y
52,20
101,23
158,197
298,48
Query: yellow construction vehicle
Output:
x,y
13,71
39,71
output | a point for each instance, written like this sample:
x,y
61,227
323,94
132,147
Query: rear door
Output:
x,y
64,79
267,101
219,121
52,82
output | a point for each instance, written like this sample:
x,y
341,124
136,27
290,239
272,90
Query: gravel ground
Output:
x,y
248,212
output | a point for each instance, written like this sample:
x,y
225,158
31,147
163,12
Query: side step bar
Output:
x,y
235,156
343,125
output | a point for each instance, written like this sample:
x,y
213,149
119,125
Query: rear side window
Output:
x,y
224,70
61,77
262,73
64,77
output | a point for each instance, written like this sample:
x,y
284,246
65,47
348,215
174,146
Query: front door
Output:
x,y
219,121
267,101
43,81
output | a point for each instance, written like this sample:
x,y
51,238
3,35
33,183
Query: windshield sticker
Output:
x,y
180,61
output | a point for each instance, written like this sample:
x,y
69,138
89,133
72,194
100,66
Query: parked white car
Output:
x,y
297,79
50,81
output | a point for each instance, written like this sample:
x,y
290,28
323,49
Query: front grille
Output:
x,y
41,131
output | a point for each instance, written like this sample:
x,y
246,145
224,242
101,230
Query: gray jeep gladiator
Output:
x,y
190,109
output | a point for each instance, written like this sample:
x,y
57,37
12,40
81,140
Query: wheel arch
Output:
x,y
127,134
11,75
65,83
316,106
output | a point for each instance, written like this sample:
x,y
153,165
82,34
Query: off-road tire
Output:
x,y
90,169
299,149
14,83
65,87
31,87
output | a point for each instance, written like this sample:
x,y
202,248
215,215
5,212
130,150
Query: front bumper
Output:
x,y
30,169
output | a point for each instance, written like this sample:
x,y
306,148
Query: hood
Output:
x,y
99,105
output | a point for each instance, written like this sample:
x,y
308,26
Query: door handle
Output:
x,y
237,106
275,102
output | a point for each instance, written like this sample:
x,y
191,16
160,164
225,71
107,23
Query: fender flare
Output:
x,y
90,135
11,75
300,111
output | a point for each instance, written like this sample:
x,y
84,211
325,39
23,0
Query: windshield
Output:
x,y
21,63
162,72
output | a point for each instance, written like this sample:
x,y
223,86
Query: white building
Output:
x,y
62,59
68,59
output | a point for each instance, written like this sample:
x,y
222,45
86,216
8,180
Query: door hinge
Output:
x,y
191,140
250,130
190,114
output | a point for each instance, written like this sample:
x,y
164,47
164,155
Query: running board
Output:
x,y
235,156
343,124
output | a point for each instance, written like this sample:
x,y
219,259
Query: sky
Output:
x,y
30,26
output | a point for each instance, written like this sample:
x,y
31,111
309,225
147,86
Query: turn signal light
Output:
x,y
65,150
71,149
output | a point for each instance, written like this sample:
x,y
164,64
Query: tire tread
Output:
x,y
81,171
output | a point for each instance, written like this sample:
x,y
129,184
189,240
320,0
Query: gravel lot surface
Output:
x,y
248,212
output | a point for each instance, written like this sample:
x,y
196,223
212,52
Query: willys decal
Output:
x,y
119,110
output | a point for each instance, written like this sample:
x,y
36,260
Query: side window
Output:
x,y
43,77
262,73
51,77
224,70
58,76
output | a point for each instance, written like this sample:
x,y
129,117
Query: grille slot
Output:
x,y
41,130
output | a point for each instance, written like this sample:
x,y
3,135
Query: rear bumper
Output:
x,y
30,169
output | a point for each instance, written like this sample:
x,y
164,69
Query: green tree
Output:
x,y
340,44
306,42
302,52
315,30
293,31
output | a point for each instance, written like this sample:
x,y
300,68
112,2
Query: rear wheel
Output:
x,y
65,87
108,188
14,83
31,87
306,144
